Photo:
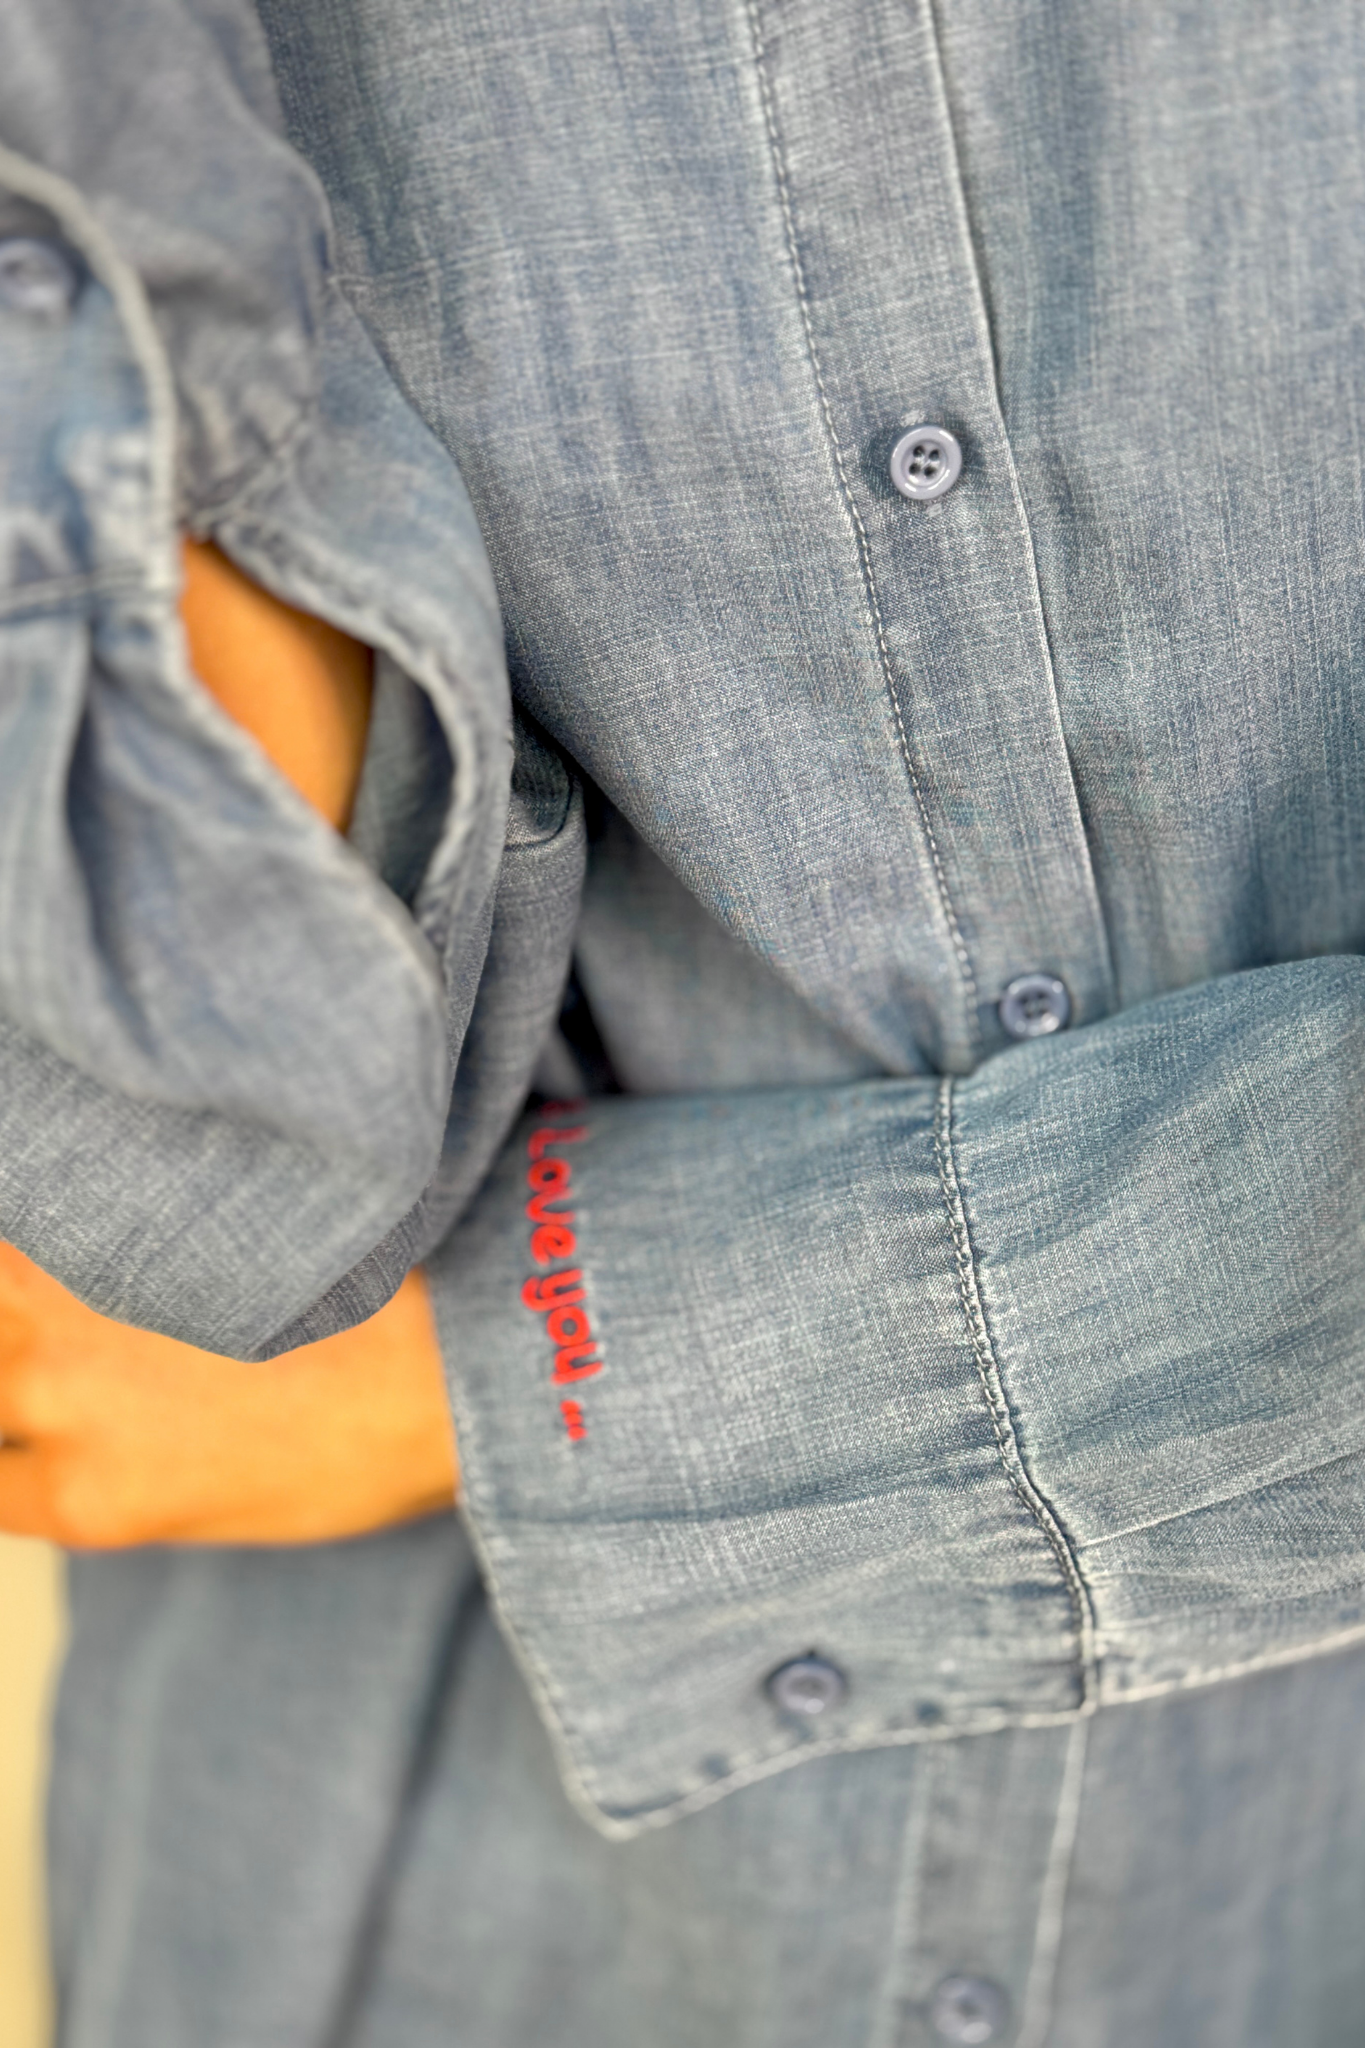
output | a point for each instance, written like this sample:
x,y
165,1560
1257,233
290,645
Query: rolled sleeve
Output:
x,y
231,1098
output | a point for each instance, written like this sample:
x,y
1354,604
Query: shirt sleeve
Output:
x,y
826,1419
242,1083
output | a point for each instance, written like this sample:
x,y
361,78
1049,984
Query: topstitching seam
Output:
x,y
1040,1987
905,1908
963,957
82,588
988,1370
1033,580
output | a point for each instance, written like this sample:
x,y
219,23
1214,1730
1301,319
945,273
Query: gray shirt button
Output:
x,y
1035,1004
35,277
968,2009
926,462
806,1686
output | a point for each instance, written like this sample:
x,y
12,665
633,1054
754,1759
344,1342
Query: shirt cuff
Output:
x,y
841,1417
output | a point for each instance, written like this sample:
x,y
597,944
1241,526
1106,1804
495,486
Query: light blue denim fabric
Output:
x,y
1025,1384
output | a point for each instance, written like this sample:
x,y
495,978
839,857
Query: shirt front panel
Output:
x,y
669,316
669,288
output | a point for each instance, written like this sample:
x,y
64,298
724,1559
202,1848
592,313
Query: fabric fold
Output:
x,y
1057,1403
684,1471
182,1147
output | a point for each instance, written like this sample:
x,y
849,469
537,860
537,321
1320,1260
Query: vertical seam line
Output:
x,y
965,969
906,1906
1036,606
366,1941
1040,1986
1002,1422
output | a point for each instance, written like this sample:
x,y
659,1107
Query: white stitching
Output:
x,y
1033,582
1223,1674
860,531
1040,1989
907,1907
997,1406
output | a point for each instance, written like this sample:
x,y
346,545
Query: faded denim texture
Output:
x,y
558,352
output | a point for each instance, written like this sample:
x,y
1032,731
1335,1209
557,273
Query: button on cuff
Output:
x,y
807,1686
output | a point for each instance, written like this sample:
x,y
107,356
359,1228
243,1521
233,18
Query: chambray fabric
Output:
x,y
395,1864
558,351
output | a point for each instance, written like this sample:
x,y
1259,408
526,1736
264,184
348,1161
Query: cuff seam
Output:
x,y
997,1402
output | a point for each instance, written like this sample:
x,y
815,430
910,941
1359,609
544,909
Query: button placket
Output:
x,y
982,1866
899,331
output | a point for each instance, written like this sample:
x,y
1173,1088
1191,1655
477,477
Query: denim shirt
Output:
x,y
559,354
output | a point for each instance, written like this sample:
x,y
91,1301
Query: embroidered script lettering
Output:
x,y
559,1295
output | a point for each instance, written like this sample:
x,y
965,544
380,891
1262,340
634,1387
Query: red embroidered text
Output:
x,y
559,1295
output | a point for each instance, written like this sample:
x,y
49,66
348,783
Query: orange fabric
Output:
x,y
300,687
